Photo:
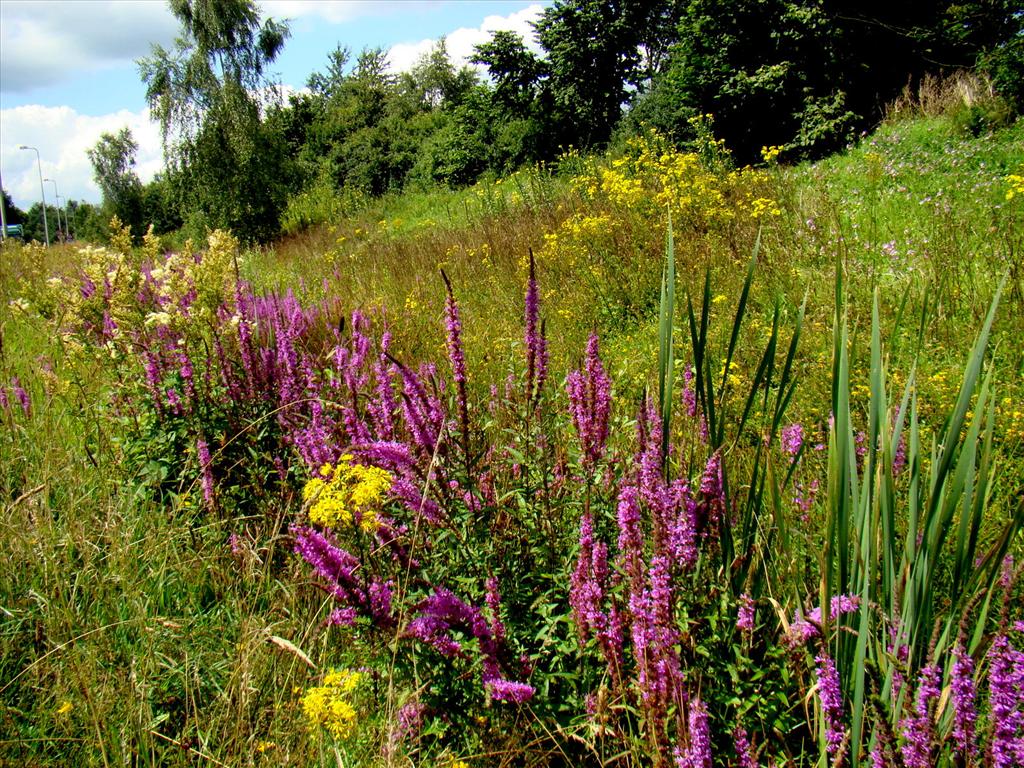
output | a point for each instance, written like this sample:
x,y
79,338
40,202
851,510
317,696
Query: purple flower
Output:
x,y
918,729
698,752
21,396
965,712
342,617
536,344
380,602
333,564
803,629
630,536
899,459
409,725
830,695
203,452
745,614
510,691
441,613
744,752
457,358
1006,701
792,438
590,404
586,589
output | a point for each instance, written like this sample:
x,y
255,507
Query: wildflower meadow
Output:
x,y
643,458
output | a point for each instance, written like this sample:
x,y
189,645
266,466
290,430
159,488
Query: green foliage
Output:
x,y
113,164
228,163
1005,65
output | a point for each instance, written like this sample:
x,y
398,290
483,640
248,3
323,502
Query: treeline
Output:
x,y
806,76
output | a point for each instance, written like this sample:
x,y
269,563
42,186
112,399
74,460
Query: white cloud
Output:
x,y
45,43
333,11
62,137
462,41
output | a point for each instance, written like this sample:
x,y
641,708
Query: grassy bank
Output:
x,y
167,419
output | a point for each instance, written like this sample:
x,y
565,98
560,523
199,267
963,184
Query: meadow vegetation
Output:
x,y
644,457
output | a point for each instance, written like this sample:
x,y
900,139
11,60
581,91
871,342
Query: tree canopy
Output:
x,y
805,76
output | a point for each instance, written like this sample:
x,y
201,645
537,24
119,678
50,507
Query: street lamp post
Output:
x,y
39,165
56,199
62,203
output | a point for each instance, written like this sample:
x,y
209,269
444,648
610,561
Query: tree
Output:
x,y
113,167
209,95
12,213
599,57
515,70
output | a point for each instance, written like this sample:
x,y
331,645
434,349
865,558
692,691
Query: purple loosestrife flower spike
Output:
x,y
590,404
698,753
333,564
1006,702
965,713
493,598
509,691
830,695
457,358
383,406
745,614
22,396
630,536
584,592
203,452
744,752
918,729
536,344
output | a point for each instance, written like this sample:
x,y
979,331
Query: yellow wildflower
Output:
x,y
1016,182
64,708
327,706
346,494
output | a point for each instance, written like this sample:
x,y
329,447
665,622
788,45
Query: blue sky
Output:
x,y
68,72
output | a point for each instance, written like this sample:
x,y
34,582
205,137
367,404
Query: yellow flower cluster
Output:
x,y
654,175
1016,182
762,206
329,705
771,154
576,239
1011,418
346,494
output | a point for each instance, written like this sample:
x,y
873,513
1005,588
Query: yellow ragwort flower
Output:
x,y
347,494
328,706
